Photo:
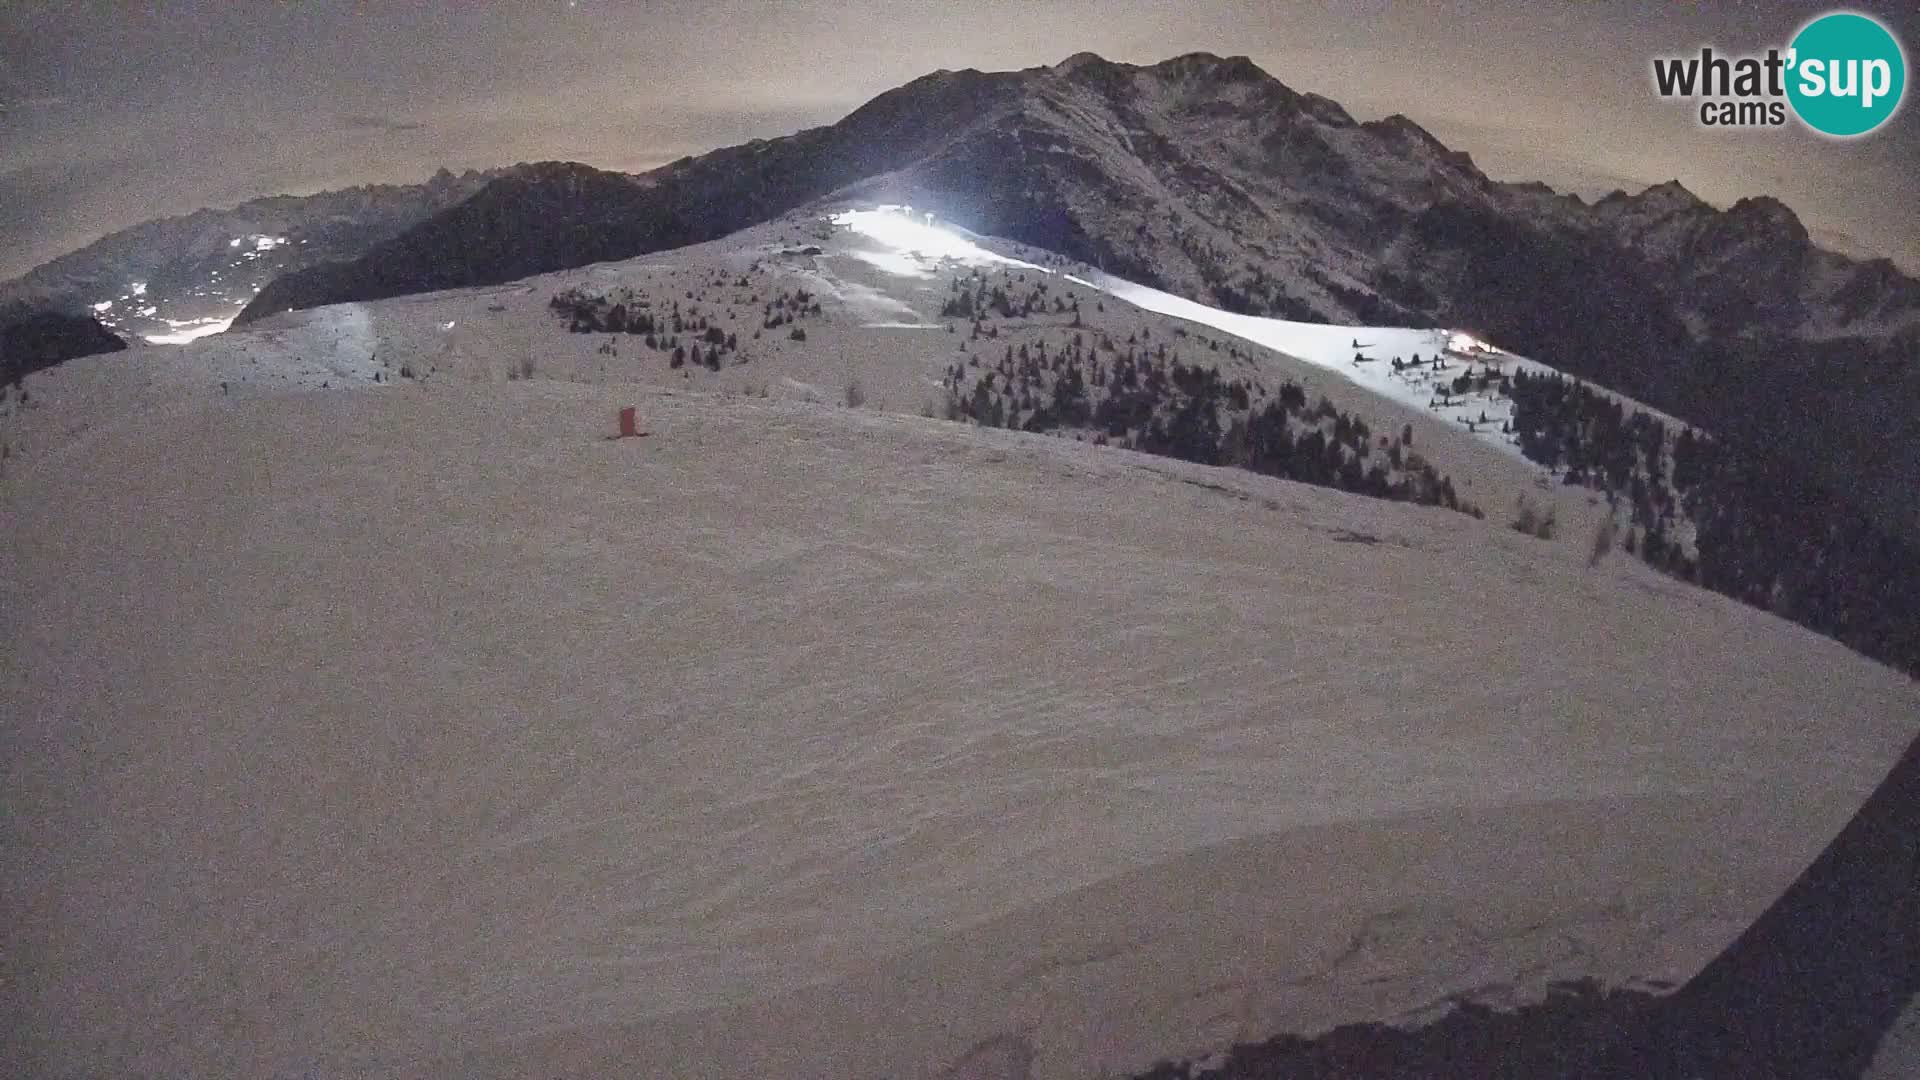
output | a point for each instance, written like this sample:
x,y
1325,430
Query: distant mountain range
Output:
x,y
184,276
1207,177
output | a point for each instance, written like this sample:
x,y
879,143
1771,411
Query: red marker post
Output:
x,y
629,424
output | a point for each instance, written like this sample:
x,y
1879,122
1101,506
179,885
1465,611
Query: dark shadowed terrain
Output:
x,y
1807,993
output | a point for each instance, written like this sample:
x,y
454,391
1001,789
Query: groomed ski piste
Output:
x,y
376,713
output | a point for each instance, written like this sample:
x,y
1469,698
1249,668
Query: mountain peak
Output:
x,y
1081,60
1769,216
1672,193
1206,65
1764,207
1659,201
1402,126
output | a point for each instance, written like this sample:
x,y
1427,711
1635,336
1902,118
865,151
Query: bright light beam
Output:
x,y
910,245
193,330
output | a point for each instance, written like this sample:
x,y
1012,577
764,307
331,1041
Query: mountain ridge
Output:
x,y
1208,177
900,141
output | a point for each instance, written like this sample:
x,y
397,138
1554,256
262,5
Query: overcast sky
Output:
x,y
112,113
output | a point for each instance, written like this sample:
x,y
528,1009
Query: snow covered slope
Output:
x,y
372,711
879,276
428,731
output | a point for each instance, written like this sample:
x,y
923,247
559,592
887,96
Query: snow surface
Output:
x,y
186,330
807,741
430,731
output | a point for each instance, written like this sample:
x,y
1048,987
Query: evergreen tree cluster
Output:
x,y
1565,424
1766,532
788,307
1771,536
1147,399
686,336
1255,293
976,297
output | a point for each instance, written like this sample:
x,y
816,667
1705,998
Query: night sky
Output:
x,y
115,113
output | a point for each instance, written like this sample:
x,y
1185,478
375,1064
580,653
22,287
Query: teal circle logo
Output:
x,y
1847,74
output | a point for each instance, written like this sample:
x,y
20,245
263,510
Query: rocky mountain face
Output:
x,y
172,275
35,338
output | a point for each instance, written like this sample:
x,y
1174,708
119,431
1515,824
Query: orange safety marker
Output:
x,y
629,424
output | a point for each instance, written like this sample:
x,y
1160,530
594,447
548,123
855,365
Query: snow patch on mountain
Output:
x,y
1420,367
